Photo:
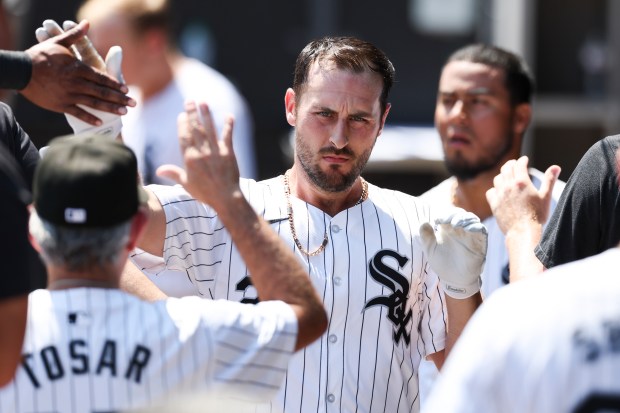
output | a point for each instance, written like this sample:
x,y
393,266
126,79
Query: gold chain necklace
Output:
x,y
289,210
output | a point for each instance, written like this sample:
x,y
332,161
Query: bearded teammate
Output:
x,y
482,112
91,347
363,245
549,343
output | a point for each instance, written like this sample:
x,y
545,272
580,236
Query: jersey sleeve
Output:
x,y
248,347
585,220
194,234
16,69
432,327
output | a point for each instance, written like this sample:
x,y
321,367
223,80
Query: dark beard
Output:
x,y
332,182
465,171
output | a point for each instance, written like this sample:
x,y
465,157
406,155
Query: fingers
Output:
x,y
53,29
184,132
83,115
174,172
197,127
208,134
100,97
492,197
427,235
108,87
113,63
85,48
551,177
41,34
70,36
521,172
227,133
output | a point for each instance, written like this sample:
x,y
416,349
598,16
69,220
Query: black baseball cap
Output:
x,y
87,181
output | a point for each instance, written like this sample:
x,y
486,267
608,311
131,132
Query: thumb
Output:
x,y
427,235
174,172
113,62
72,35
551,176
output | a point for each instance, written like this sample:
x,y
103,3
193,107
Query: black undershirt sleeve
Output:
x,y
15,69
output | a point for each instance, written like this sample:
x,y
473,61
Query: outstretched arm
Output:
x,y
211,176
59,81
521,211
456,250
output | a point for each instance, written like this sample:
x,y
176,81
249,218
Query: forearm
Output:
x,y
275,270
459,313
135,282
520,243
13,315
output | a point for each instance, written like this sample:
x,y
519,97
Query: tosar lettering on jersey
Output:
x,y
398,283
81,362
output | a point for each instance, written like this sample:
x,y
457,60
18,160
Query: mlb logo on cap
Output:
x,y
75,215
87,181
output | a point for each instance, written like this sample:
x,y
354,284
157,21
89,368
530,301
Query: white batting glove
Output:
x,y
111,124
456,250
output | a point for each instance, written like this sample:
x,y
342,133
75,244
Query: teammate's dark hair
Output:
x,y
519,80
347,53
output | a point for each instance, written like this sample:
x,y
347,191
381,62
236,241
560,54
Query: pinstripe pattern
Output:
x,y
362,363
104,350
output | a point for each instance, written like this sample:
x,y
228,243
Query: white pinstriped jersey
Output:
x,y
549,344
102,350
384,305
495,273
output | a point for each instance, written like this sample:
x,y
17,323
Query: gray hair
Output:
x,y
79,249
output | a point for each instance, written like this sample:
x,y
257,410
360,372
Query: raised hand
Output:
x,y
62,83
456,250
83,49
211,174
514,199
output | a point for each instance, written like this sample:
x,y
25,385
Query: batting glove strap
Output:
x,y
111,124
459,291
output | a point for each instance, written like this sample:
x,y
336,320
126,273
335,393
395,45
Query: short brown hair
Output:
x,y
346,53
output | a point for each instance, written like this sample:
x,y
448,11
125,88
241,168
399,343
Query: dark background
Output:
x,y
256,43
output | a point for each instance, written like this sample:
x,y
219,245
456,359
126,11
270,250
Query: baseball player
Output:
x,y
550,344
373,266
482,112
91,347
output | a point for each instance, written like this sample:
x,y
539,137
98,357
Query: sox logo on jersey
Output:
x,y
395,302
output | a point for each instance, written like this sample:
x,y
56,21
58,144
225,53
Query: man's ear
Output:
x,y
384,117
289,105
138,226
522,118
